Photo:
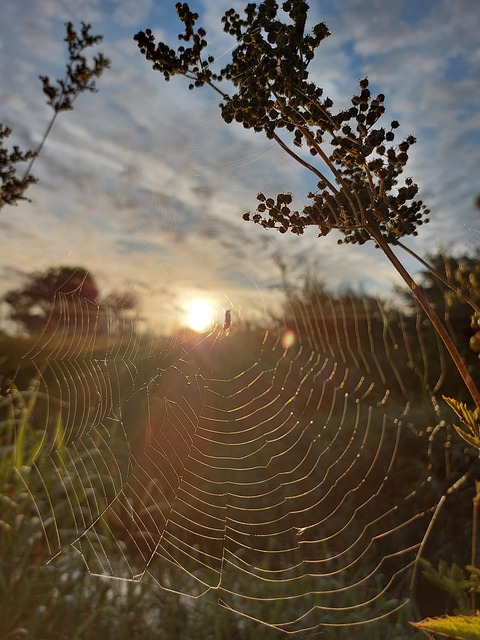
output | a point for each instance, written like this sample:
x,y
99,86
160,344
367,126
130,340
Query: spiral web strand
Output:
x,y
257,469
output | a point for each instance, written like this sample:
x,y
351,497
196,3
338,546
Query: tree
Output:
x,y
43,303
68,299
272,94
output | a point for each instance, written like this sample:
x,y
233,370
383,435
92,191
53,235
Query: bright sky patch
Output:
x,y
200,315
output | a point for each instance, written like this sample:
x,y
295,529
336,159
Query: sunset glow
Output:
x,y
200,315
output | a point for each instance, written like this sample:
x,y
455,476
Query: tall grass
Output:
x,y
59,599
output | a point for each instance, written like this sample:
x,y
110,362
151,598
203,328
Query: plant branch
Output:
x,y
40,146
303,162
439,277
429,311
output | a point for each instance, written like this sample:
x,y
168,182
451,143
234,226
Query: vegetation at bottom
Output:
x,y
60,599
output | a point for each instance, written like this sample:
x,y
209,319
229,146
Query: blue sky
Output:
x,y
145,185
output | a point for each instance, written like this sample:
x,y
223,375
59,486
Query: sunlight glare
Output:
x,y
200,315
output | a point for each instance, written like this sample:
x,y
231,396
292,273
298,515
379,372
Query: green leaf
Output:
x,y
471,419
463,627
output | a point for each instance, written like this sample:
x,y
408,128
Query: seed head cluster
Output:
x,y
357,162
79,77
80,74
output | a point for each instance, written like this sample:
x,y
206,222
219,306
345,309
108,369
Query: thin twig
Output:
x,y
40,146
429,311
439,276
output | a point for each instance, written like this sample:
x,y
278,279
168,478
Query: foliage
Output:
x,y
471,419
463,275
36,302
451,284
458,583
50,297
59,599
79,77
461,627
463,588
12,187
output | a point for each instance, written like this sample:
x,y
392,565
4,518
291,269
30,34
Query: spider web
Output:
x,y
258,468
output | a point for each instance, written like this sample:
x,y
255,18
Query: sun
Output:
x,y
200,315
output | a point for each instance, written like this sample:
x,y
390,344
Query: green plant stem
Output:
x,y
429,311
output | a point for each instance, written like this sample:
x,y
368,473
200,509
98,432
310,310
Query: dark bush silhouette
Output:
x,y
42,303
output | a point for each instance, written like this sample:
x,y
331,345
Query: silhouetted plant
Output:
x,y
49,298
12,187
358,190
36,303
453,290
79,77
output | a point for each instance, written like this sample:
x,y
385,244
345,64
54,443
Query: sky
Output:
x,y
144,184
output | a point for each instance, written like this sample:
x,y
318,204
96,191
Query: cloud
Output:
x,y
130,12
